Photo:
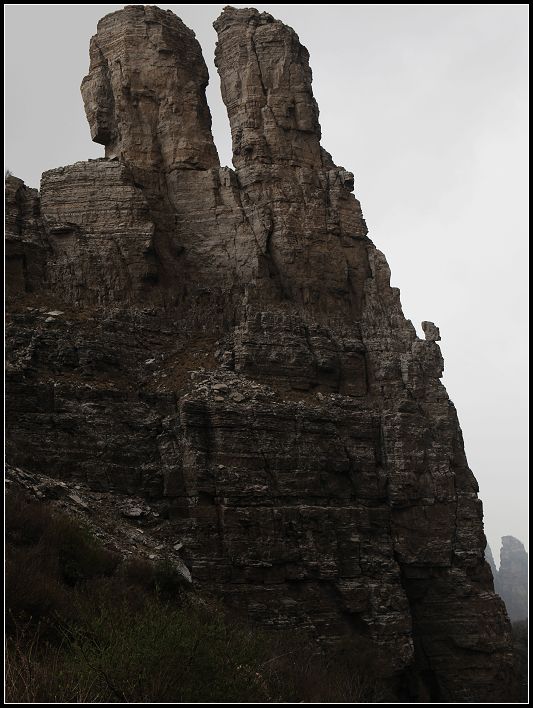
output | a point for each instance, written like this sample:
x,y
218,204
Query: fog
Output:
x,y
427,105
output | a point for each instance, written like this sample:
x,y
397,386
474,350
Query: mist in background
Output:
x,y
428,106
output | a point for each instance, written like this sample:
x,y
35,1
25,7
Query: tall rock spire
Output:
x,y
266,86
307,223
144,94
512,582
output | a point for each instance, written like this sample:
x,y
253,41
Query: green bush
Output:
x,y
165,654
45,555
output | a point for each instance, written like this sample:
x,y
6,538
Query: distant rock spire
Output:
x,y
512,583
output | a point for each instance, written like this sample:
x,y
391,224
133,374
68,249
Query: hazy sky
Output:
x,y
427,105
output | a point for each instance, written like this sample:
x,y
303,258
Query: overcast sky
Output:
x,y
427,105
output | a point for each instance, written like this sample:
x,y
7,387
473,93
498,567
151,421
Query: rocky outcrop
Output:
x,y
227,345
266,86
512,580
25,247
144,95
126,524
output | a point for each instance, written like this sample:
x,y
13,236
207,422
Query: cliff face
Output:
x,y
226,344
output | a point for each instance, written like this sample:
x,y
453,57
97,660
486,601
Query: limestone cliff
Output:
x,y
227,345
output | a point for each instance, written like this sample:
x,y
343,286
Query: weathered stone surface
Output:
x,y
227,345
100,233
130,535
431,332
266,86
25,249
144,94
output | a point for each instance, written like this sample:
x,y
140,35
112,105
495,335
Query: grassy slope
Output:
x,y
85,626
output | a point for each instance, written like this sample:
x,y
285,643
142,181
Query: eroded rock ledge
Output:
x,y
226,343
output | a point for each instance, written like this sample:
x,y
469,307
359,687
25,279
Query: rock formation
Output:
x,y
226,344
144,95
511,580
490,560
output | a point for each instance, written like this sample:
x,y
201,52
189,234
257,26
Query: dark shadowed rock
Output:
x,y
25,247
230,348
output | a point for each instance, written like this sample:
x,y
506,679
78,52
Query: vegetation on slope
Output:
x,y
85,626
520,644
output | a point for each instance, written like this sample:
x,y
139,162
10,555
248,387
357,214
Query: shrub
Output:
x,y
33,589
165,655
83,627
37,672
138,571
167,580
45,554
520,646
25,520
80,557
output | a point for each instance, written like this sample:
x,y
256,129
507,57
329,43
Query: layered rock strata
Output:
x,y
227,344
144,95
